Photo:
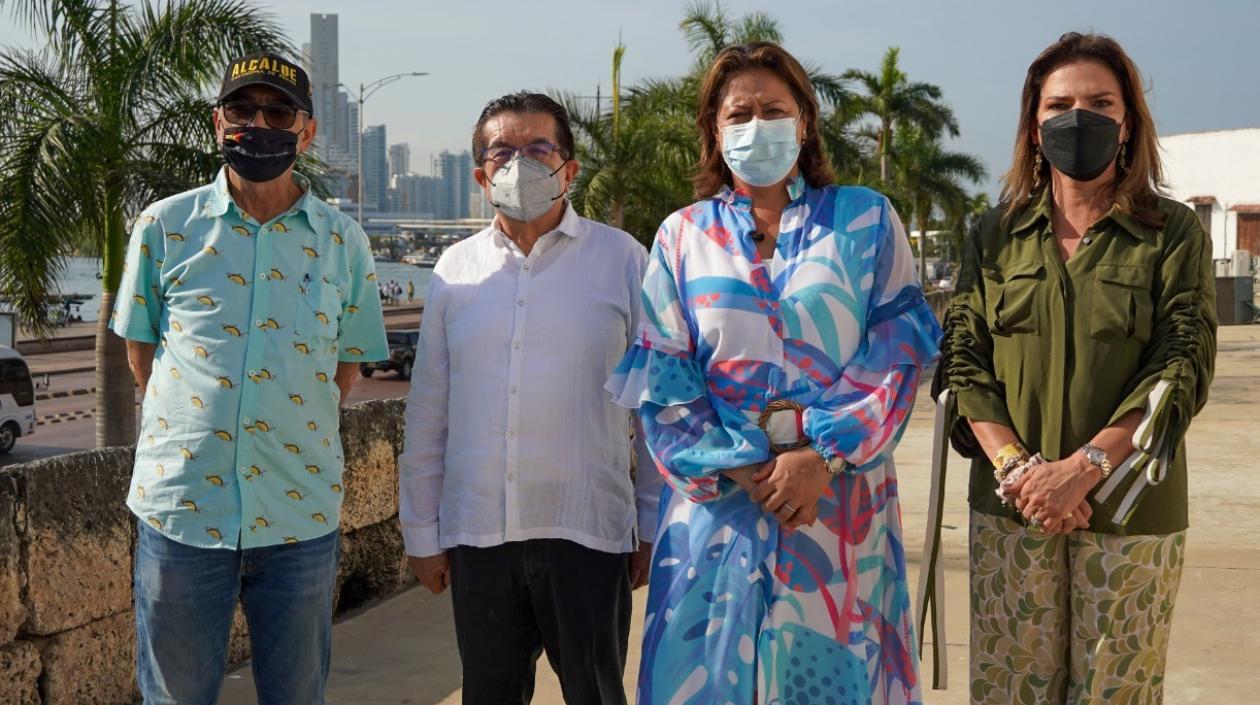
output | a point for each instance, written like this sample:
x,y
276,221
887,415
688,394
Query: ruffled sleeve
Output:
x,y
966,366
1177,368
693,436
861,417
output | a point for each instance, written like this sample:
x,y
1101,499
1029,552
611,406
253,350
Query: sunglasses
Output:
x,y
239,111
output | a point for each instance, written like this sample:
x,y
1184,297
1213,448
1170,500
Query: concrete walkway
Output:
x,y
402,650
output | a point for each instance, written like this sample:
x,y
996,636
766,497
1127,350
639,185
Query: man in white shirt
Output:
x,y
515,484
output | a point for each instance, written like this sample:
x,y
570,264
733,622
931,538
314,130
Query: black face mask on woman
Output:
x,y
1080,143
259,153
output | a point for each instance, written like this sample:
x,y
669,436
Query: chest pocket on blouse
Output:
x,y
1011,296
318,311
1122,306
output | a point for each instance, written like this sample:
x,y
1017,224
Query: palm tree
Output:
x,y
894,100
927,179
106,117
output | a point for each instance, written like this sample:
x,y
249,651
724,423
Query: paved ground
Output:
x,y
402,650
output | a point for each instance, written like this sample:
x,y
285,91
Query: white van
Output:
x,y
17,399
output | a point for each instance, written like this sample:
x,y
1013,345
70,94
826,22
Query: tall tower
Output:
x,y
324,79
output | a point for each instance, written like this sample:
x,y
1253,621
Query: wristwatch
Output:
x,y
835,464
1097,456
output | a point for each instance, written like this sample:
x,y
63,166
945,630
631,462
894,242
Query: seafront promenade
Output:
x,y
402,649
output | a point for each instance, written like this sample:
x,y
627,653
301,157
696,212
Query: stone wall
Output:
x,y
66,539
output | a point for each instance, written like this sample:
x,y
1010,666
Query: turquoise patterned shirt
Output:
x,y
239,444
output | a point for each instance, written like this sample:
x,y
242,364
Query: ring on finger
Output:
x,y
791,510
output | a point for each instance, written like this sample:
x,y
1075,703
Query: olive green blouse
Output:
x,y
1059,350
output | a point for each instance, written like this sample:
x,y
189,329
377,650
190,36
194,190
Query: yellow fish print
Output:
x,y
327,443
262,521
302,348
139,300
335,487
144,250
155,523
162,423
352,309
296,399
310,252
188,454
319,518
200,351
140,491
148,219
205,300
210,250
290,539
223,435
277,274
189,504
214,533
214,480
262,426
242,230
232,331
321,317
175,373
271,324
312,425
313,469
280,227
226,383
164,341
175,237
237,279
292,448
197,402
337,238
371,276
254,471
160,469
159,262
322,376
354,351
294,495
176,281
177,326
264,373
150,439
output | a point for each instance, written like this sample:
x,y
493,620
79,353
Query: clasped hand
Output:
x,y
1054,494
789,486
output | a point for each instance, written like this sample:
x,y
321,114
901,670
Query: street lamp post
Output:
x,y
365,91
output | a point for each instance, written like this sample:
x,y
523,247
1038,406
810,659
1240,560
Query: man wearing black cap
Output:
x,y
248,305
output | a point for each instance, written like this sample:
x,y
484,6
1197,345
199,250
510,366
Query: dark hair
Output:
x,y
1135,190
525,102
712,172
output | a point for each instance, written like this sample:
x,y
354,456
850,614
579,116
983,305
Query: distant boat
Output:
x,y
419,259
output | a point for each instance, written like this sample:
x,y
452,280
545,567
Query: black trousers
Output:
x,y
518,599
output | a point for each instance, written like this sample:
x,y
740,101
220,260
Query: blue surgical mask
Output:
x,y
761,152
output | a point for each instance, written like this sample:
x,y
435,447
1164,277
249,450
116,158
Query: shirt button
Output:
x,y
258,322
520,302
262,277
512,390
245,421
1087,240
511,477
527,267
511,434
516,344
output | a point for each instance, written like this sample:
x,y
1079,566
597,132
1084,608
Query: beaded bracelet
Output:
x,y
1005,488
1011,456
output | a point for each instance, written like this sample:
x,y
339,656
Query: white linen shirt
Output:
x,y
509,433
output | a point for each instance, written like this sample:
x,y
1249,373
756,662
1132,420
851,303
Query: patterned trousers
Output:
x,y
1081,619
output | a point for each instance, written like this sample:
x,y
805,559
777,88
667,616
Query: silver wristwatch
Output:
x,y
1097,456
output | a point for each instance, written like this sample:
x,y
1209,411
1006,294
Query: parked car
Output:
x,y
402,354
17,399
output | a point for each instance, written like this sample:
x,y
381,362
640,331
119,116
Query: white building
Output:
x,y
1218,174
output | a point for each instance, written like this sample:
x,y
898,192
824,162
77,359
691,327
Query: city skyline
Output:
x,y
976,53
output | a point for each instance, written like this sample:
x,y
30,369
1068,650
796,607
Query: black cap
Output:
x,y
269,70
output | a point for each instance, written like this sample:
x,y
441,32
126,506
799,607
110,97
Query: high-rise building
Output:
x,y
416,195
375,168
324,75
456,174
399,159
478,205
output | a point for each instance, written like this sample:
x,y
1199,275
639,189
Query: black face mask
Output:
x,y
259,153
1080,143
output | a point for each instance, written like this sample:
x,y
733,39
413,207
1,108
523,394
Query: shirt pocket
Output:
x,y
319,312
1122,306
1011,296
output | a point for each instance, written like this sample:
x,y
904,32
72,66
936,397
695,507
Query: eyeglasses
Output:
x,y
278,115
534,150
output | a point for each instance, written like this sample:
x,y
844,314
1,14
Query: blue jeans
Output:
x,y
185,597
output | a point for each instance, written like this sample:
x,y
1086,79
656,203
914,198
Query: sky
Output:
x,y
1198,58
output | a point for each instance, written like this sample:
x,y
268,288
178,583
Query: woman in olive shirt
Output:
x,y
1082,335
